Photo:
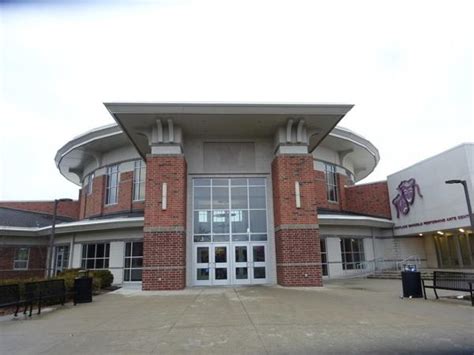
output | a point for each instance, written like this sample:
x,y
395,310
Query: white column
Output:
x,y
334,256
116,261
77,255
369,252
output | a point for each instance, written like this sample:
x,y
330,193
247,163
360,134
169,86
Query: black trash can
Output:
x,y
83,289
411,283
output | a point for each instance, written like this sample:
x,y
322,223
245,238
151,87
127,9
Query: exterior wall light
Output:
x,y
420,234
440,233
461,230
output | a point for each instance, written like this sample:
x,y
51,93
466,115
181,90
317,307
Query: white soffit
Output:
x,y
224,120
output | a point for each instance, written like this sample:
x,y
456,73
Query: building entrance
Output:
x,y
455,251
229,231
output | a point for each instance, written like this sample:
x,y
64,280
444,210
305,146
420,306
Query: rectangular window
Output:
x,y
331,182
352,252
22,256
95,256
89,182
62,258
139,174
133,261
324,257
111,196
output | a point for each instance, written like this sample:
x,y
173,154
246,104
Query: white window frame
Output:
x,y
131,257
89,183
16,260
330,171
112,190
139,175
355,265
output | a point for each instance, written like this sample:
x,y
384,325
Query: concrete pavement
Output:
x,y
345,316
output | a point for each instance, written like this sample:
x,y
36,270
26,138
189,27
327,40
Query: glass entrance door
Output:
x,y
212,264
62,258
249,263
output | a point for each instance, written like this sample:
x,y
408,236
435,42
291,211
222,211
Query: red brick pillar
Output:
x,y
164,243
298,254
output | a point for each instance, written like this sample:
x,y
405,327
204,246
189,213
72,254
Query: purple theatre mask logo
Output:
x,y
406,196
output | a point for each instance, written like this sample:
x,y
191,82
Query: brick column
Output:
x,y
164,254
298,255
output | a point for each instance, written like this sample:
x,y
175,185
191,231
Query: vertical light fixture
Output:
x,y
297,194
164,196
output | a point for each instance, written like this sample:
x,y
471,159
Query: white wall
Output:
x,y
439,201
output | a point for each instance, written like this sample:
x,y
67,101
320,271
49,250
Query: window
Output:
x,y
62,258
88,183
331,182
324,257
95,256
22,256
139,174
133,261
352,251
229,209
111,196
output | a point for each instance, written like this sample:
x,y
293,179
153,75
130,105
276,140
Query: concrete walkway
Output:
x,y
352,316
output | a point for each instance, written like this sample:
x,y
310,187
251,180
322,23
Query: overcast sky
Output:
x,y
407,67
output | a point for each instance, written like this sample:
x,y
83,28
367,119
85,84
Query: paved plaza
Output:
x,y
345,316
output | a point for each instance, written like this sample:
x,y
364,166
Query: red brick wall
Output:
x,y
36,264
165,238
297,241
65,209
371,199
94,203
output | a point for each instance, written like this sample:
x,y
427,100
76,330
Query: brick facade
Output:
x,y
297,244
164,254
66,209
36,262
371,199
93,205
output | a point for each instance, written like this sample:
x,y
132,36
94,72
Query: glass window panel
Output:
x,y
202,182
202,222
221,273
240,237
107,250
238,182
202,274
241,273
220,238
258,253
258,237
136,275
202,238
126,275
83,264
90,263
240,221
220,221
202,255
202,198
84,251
257,181
355,245
100,250
347,245
258,221
259,272
239,197
99,264
323,246
127,262
91,250
325,270
240,254
220,197
220,254
257,197
128,249
106,263
137,262
220,182
137,249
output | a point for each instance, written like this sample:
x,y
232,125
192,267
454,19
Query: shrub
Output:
x,y
105,276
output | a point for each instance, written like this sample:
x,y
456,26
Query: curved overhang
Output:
x,y
364,155
351,221
74,227
88,147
